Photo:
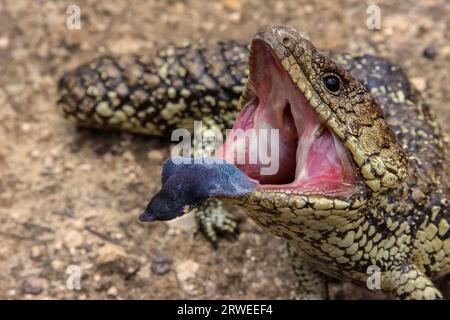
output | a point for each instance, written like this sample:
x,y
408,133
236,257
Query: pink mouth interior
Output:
x,y
311,159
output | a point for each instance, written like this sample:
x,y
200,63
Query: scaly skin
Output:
x,y
156,94
398,219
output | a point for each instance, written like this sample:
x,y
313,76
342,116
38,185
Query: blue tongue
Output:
x,y
186,184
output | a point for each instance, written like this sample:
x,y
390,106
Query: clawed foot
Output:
x,y
214,221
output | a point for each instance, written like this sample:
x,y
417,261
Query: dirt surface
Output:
x,y
71,197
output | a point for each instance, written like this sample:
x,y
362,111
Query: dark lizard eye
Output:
x,y
332,83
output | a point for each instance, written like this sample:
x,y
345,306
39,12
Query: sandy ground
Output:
x,y
71,197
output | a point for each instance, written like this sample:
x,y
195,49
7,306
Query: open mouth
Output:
x,y
308,157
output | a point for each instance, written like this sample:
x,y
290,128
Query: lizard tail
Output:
x,y
157,93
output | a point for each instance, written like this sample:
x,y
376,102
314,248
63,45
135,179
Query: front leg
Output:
x,y
407,282
312,283
213,220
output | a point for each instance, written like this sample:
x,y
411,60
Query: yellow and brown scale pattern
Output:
x,y
157,93
419,210
408,225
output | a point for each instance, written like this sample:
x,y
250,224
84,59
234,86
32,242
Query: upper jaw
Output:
x,y
355,117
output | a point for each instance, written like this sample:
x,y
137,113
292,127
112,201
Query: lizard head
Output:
x,y
334,149
332,156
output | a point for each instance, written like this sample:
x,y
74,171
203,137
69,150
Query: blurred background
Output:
x,y
69,198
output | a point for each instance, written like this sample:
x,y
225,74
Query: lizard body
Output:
x,y
396,216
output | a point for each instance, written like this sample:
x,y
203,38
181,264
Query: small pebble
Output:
x,y
4,42
101,148
33,285
48,162
234,5
420,83
156,155
78,224
184,223
112,291
25,127
179,8
128,156
186,270
118,236
235,16
161,264
430,52
35,252
445,50
85,167
57,265
73,239
110,253
377,37
35,154
11,292
144,273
